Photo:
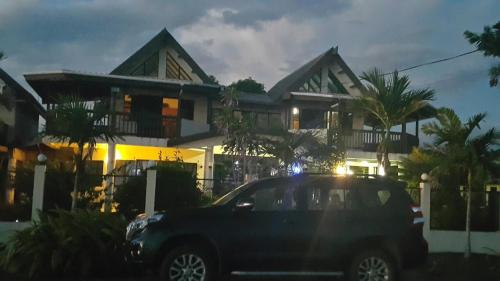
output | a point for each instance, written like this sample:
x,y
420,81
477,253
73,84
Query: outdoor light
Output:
x,y
350,172
424,177
295,111
296,168
341,170
41,158
381,170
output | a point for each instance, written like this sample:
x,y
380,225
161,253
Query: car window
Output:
x,y
326,194
275,196
373,197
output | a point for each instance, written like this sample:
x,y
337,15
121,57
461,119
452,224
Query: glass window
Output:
x,y
322,198
373,198
312,119
274,120
275,198
262,120
187,109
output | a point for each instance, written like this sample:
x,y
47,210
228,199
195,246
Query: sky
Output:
x,y
264,40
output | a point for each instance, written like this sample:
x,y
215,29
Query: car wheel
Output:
x,y
187,263
372,265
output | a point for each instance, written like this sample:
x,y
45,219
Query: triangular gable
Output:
x,y
327,73
162,49
21,94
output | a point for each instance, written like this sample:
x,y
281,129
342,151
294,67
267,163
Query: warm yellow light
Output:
x,y
341,170
381,170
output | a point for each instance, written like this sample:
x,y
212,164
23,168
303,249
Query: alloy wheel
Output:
x,y
187,267
373,269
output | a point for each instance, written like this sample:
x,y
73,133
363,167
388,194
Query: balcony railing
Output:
x,y
367,140
140,125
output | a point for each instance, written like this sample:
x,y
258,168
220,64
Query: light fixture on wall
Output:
x,y
295,111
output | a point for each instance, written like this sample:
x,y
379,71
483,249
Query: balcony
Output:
x,y
368,141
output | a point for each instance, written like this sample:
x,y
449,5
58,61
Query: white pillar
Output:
x,y
209,170
150,192
38,188
425,203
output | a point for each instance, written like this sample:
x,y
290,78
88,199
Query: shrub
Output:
x,y
66,244
176,188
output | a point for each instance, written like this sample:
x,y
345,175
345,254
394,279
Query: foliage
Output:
x,y
213,80
390,101
175,189
489,43
463,154
419,161
2,55
248,85
67,244
75,121
328,153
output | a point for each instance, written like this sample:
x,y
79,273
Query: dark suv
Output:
x,y
363,228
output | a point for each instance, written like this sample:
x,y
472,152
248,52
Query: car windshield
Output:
x,y
230,195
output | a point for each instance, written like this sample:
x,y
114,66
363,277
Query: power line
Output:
x,y
432,62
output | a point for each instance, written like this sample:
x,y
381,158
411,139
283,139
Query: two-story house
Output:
x,y
19,118
163,104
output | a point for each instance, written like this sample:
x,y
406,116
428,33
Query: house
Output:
x,y
164,104
19,118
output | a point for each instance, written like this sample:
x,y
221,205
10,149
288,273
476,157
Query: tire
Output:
x,y
187,261
372,265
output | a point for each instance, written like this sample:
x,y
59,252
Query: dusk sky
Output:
x,y
263,39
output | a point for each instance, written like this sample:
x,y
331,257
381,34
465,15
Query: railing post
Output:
x,y
38,190
150,192
425,203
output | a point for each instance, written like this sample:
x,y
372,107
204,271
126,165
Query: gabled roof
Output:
x,y
21,93
293,79
162,39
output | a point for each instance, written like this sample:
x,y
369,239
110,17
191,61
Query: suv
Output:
x,y
363,228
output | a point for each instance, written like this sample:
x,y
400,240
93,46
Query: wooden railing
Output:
x,y
140,125
367,140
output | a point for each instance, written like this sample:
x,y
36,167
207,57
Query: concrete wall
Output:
x,y
7,228
444,241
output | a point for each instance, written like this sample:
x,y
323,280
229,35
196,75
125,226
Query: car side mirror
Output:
x,y
245,204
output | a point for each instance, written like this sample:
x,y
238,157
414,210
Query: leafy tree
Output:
x,y
458,148
76,122
248,85
213,80
2,55
390,101
489,43
241,138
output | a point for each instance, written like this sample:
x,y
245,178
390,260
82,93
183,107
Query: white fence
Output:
x,y
439,240
443,241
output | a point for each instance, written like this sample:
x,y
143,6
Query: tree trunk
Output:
x,y
468,215
386,163
78,161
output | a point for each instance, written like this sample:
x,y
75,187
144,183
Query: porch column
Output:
x,y
209,169
109,179
38,191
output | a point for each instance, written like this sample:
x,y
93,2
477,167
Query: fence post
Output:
x,y
150,192
38,188
425,203
493,208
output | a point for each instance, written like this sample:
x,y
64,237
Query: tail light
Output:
x,y
418,217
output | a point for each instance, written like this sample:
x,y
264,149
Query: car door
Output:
x,y
323,226
263,238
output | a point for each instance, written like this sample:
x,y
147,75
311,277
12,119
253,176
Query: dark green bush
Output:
x,y
64,244
176,188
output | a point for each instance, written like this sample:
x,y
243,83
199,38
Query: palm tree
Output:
x,y
390,101
2,55
458,148
489,43
77,122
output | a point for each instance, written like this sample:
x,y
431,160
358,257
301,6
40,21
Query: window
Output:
x,y
274,120
281,197
148,68
346,120
334,85
187,109
262,121
323,198
373,198
312,119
